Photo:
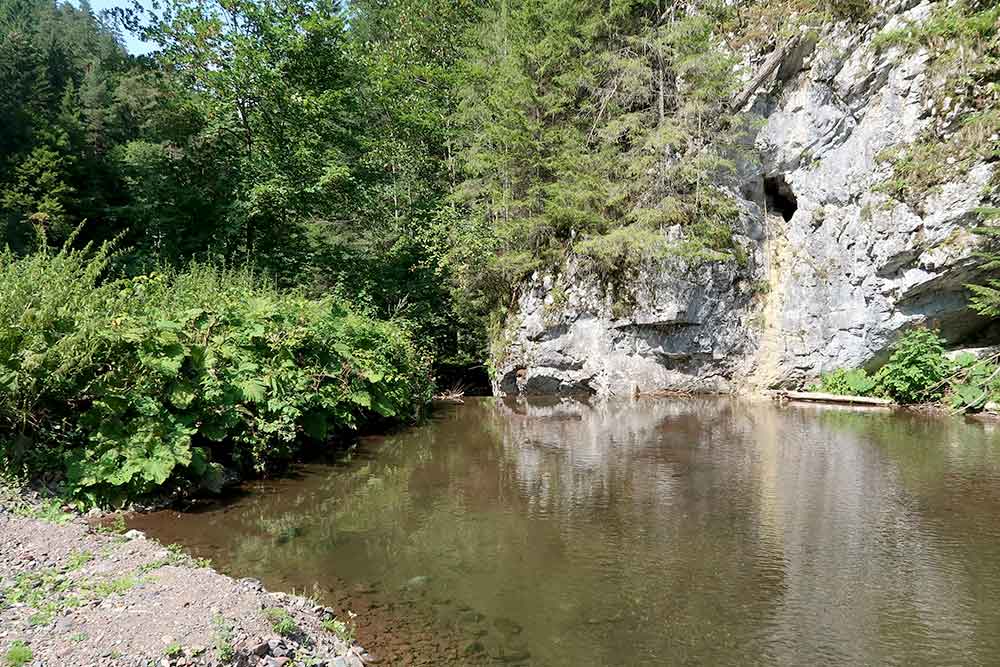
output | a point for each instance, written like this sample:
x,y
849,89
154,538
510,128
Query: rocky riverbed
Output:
x,y
75,594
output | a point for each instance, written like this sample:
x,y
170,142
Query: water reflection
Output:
x,y
684,531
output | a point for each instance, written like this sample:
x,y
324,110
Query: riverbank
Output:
x,y
72,594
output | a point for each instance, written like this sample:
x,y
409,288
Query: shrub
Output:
x,y
854,382
974,382
128,385
917,368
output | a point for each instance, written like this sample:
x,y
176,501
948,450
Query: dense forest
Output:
x,y
296,216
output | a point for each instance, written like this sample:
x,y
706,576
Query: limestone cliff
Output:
x,y
834,268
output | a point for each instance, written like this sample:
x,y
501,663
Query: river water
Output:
x,y
641,532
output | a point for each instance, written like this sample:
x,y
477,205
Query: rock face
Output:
x,y
835,269
682,328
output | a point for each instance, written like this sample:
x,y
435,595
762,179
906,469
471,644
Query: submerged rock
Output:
x,y
416,583
507,626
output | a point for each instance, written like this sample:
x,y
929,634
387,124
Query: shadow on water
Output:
x,y
670,531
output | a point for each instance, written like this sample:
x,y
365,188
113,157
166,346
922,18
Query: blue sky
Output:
x,y
132,43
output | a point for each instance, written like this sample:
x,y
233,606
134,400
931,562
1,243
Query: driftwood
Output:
x,y
820,397
767,69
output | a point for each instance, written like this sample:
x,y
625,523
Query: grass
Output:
x,y
343,631
281,621
18,654
110,587
51,591
224,649
78,559
50,511
116,526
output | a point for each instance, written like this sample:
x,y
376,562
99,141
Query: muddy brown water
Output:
x,y
649,532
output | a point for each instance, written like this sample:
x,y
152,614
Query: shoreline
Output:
x,y
72,594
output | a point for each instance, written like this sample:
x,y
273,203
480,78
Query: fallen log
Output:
x,y
820,397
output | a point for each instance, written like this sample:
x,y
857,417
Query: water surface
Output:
x,y
648,532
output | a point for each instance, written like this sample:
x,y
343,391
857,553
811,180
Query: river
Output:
x,y
638,532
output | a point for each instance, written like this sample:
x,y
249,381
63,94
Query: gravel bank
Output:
x,y
71,595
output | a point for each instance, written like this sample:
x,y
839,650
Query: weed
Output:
x,y
345,631
110,587
173,651
916,370
50,511
854,382
78,637
281,621
40,618
78,559
224,649
18,654
116,526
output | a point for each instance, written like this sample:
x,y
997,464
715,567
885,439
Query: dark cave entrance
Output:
x,y
778,196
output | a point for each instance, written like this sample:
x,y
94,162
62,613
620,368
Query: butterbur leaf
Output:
x,y
965,359
157,468
373,376
213,431
384,406
199,461
968,395
362,398
182,395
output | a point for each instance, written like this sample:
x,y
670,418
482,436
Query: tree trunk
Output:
x,y
767,69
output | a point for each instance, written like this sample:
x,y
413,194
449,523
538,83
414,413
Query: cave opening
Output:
x,y
779,197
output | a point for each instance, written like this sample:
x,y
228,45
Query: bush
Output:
x,y
843,382
917,369
128,385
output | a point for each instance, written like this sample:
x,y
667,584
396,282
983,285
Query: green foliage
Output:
x,y
917,369
950,24
344,630
919,372
854,382
963,39
589,128
973,383
223,639
50,510
281,621
132,384
986,296
18,654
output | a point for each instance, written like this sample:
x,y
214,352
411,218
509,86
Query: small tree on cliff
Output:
x,y
986,297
